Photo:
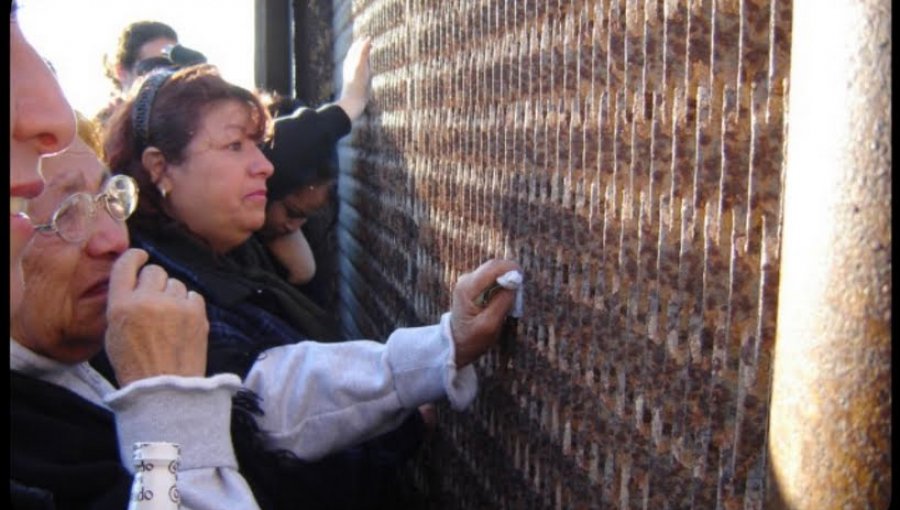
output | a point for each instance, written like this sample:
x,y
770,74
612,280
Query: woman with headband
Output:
x,y
191,141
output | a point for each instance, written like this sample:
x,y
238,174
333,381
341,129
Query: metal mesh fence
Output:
x,y
629,154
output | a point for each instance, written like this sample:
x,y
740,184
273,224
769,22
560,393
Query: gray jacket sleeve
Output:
x,y
194,412
319,398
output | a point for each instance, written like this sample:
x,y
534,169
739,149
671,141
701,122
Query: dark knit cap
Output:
x,y
303,149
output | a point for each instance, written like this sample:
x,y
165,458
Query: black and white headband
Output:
x,y
140,118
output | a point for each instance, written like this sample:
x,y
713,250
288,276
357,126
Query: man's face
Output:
x,y
149,49
288,214
63,311
40,122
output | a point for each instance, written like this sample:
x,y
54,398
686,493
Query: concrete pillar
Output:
x,y
830,418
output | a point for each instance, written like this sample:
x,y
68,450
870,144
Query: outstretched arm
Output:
x,y
356,75
319,398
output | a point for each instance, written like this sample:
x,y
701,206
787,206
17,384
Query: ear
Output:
x,y
155,163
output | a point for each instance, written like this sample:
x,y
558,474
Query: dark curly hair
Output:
x,y
132,38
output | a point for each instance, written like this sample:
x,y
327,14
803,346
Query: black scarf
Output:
x,y
64,446
236,276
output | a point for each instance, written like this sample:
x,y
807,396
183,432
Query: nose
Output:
x,y
41,116
261,164
109,237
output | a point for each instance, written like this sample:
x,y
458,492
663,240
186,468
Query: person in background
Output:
x,y
289,208
303,151
146,45
202,177
138,41
303,154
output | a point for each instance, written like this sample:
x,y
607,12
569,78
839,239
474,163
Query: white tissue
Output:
x,y
513,280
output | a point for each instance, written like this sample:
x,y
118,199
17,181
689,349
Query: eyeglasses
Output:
x,y
73,219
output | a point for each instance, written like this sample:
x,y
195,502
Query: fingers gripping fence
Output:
x,y
629,154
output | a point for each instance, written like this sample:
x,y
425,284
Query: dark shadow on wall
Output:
x,y
364,233
374,236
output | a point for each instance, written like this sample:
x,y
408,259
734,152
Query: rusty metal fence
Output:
x,y
630,155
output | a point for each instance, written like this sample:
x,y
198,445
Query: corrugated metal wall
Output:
x,y
629,154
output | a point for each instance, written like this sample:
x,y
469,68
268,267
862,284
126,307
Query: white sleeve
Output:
x,y
194,412
319,398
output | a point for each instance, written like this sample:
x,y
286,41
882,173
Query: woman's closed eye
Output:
x,y
235,146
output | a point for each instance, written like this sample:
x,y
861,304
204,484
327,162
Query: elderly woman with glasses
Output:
x,y
191,141
67,265
71,431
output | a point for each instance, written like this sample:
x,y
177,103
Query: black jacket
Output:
x,y
63,450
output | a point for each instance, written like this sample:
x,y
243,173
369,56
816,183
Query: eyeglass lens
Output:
x,y
74,216
120,196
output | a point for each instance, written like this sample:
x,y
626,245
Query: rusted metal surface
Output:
x,y
830,432
629,153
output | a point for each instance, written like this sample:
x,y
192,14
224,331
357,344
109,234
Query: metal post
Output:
x,y
273,46
830,419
